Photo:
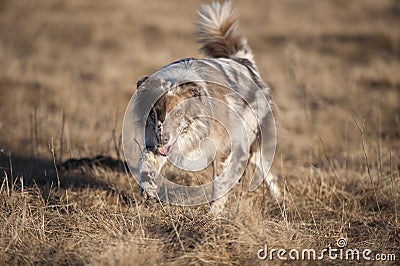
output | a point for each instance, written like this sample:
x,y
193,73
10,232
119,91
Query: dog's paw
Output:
x,y
147,183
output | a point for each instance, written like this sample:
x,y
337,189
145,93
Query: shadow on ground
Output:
x,y
70,174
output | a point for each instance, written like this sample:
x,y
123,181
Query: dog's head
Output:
x,y
179,119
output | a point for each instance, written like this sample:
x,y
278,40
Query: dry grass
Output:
x,y
68,69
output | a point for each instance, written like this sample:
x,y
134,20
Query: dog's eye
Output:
x,y
178,114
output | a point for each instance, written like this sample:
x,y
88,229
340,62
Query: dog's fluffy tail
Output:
x,y
217,32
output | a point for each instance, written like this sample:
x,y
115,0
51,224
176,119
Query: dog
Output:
x,y
196,106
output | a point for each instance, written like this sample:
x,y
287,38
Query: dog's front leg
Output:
x,y
149,170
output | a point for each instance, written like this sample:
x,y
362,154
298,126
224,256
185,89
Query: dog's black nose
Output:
x,y
165,138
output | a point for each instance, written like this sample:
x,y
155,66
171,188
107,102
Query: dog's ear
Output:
x,y
140,81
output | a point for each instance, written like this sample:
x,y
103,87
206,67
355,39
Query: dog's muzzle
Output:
x,y
165,150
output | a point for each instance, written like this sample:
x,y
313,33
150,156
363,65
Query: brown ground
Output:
x,y
69,68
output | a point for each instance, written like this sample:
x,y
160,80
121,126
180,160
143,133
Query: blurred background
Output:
x,y
69,68
327,62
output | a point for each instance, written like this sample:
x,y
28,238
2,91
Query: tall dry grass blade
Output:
x,y
52,150
176,231
62,137
128,176
392,188
361,129
10,165
36,132
5,184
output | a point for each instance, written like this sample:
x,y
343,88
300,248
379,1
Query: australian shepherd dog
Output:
x,y
213,113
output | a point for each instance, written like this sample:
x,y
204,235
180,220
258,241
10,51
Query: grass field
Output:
x,y
69,68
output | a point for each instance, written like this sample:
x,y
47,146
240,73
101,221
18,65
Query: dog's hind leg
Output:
x,y
218,205
272,181
234,169
263,172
